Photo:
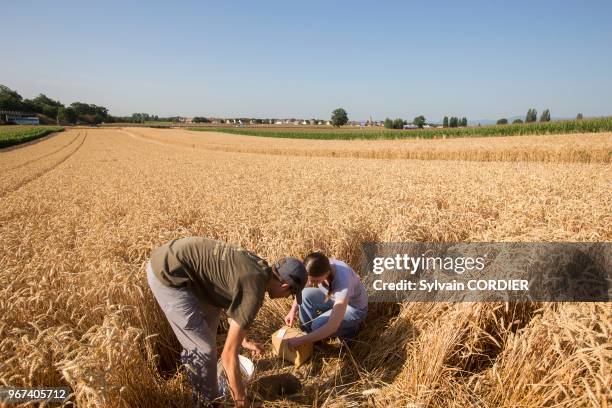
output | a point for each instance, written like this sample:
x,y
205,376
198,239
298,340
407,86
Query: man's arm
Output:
x,y
254,346
231,365
332,325
291,315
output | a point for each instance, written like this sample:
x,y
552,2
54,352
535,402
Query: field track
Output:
x,y
76,136
38,166
81,212
28,143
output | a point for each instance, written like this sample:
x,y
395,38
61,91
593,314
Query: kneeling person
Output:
x,y
335,307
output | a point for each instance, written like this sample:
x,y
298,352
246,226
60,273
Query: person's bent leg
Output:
x,y
195,327
349,327
313,305
350,324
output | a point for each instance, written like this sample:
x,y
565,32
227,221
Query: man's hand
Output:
x,y
248,404
229,359
255,347
290,318
291,315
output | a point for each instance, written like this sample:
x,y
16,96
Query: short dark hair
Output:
x,y
316,264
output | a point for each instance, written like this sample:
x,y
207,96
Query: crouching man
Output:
x,y
193,279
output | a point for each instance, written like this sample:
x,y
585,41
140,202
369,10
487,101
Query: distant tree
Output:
x,y
89,112
137,118
10,99
453,122
502,121
67,115
579,116
545,117
200,119
464,122
339,117
45,105
532,116
419,121
517,121
399,123
394,123
445,122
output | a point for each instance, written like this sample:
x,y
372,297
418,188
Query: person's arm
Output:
x,y
291,315
329,328
254,346
231,365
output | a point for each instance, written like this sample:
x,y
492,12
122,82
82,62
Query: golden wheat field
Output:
x,y
583,148
82,210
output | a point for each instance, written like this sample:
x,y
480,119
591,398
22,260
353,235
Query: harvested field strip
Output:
x,y
76,136
15,178
17,155
588,148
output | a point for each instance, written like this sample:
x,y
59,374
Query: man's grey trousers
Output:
x,y
195,326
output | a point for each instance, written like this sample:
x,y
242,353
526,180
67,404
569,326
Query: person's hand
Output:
x,y
255,347
290,318
294,342
248,404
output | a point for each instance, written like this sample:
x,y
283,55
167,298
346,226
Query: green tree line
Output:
x,y
11,100
76,112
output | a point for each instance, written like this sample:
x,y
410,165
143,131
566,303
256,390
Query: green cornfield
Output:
x,y
12,135
547,128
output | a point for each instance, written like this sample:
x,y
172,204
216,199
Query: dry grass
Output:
x,y
81,212
571,148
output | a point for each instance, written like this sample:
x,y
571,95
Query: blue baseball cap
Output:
x,y
291,270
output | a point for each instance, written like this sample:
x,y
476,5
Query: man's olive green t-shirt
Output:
x,y
222,275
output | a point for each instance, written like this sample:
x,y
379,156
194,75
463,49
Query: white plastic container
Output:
x,y
247,369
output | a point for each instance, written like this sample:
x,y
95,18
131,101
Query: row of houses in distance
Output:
x,y
285,122
281,122
253,121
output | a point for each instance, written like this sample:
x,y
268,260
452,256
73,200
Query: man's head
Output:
x,y
288,277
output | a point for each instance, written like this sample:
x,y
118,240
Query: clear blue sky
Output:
x,y
480,59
